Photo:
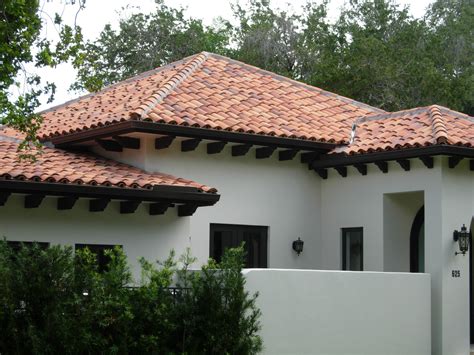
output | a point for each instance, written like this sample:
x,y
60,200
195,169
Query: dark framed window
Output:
x,y
16,245
99,251
353,249
224,236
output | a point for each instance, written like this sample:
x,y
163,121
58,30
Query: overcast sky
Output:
x,y
100,12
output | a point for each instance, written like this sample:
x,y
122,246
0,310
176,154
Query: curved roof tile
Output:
x,y
214,92
56,165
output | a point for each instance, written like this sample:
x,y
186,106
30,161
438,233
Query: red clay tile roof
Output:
x,y
417,127
210,91
58,166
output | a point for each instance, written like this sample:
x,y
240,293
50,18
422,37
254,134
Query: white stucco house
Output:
x,y
208,152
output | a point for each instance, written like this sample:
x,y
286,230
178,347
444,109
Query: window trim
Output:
x,y
344,232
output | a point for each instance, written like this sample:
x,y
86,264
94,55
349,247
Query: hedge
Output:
x,y
56,301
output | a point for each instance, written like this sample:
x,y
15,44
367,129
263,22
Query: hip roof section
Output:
x,y
58,166
415,128
213,92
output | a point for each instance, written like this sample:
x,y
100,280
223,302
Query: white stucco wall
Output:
x,y
140,234
358,201
293,202
457,207
399,211
341,313
285,196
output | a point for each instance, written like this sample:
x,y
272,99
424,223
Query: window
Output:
x,y
352,249
15,245
224,236
99,250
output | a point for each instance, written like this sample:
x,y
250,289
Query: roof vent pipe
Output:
x,y
353,133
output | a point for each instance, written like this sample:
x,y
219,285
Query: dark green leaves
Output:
x,y
55,302
21,44
143,42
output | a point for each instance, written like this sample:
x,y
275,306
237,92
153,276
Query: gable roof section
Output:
x,y
63,173
415,128
216,93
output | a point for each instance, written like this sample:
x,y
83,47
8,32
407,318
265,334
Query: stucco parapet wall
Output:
x,y
366,273
342,312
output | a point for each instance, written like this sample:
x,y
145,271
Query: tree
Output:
x,y
382,58
21,43
267,38
451,48
144,42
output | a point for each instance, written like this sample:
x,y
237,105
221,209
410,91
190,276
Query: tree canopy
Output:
x,y
374,52
22,44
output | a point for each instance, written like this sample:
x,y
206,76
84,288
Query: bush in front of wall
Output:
x,y
56,301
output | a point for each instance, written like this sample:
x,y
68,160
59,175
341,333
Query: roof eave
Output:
x,y
127,127
162,193
342,159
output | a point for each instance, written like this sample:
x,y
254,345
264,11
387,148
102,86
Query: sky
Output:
x,y
98,13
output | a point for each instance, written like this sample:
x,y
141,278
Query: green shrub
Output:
x,y
56,301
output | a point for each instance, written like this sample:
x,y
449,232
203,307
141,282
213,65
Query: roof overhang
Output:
x,y
127,127
188,199
341,161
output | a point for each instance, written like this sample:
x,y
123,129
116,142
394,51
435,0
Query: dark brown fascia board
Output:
x,y
336,160
171,194
186,131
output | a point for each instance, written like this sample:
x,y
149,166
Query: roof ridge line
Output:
x,y
440,132
113,85
169,85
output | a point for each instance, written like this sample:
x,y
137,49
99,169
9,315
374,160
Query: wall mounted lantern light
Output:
x,y
462,237
298,246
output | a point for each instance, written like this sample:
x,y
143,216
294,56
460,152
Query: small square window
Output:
x,y
352,249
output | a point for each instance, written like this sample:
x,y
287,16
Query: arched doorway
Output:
x,y
417,242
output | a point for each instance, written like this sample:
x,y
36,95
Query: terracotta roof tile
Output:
x,y
417,127
210,91
59,166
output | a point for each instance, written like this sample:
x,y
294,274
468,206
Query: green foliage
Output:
x,y
224,315
267,38
53,301
143,42
375,52
21,43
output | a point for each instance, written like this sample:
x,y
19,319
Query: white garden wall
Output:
x,y
342,313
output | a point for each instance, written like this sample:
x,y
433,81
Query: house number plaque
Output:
x,y
456,273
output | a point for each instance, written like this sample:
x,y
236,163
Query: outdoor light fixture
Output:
x,y
462,238
298,246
